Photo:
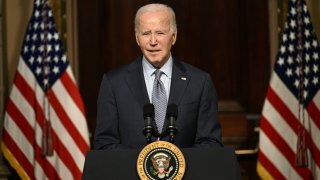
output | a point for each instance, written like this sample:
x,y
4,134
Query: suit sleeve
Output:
x,y
107,130
208,126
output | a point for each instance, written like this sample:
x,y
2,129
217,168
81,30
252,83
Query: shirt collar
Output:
x,y
149,69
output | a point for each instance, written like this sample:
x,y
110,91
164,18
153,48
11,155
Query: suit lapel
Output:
x,y
179,82
136,83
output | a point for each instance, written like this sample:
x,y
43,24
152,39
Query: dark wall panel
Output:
x,y
228,39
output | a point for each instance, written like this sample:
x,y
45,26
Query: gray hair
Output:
x,y
155,7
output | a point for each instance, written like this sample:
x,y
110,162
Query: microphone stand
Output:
x,y
172,113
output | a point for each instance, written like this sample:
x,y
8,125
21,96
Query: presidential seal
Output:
x,y
161,160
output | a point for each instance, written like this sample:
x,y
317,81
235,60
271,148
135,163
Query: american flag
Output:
x,y
45,133
291,112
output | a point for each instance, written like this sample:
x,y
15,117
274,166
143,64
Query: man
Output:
x,y
125,91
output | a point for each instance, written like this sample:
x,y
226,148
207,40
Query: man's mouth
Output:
x,y
153,51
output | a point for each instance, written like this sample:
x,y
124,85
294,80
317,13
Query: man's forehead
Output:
x,y
154,25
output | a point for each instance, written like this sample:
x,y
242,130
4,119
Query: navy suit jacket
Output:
x,y
123,94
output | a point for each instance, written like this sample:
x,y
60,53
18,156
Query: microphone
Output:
x,y
148,115
172,114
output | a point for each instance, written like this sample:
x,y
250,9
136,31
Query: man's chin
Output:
x,y
156,64
154,60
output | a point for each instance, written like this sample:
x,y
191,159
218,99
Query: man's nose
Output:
x,y
153,39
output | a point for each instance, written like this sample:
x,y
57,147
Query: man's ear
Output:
x,y
137,40
174,37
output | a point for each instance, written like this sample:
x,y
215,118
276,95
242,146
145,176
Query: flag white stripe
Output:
x,y
66,139
59,166
280,125
316,100
314,167
38,172
26,73
22,104
285,94
54,160
18,137
70,74
313,130
273,154
74,113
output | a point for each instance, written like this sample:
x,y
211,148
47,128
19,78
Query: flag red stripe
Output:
x,y
69,126
19,156
292,121
73,91
65,156
314,113
283,110
269,166
48,169
21,122
282,146
58,146
24,88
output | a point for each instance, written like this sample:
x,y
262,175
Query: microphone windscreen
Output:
x,y
172,110
148,110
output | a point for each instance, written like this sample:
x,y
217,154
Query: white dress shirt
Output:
x,y
149,75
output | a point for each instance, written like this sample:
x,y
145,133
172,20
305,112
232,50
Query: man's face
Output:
x,y
155,37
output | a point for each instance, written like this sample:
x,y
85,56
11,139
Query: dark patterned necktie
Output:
x,y
159,100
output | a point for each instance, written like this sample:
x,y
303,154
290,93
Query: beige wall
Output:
x,y
273,30
314,9
17,14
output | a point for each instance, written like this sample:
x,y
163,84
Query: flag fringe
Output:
x,y
13,162
262,172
